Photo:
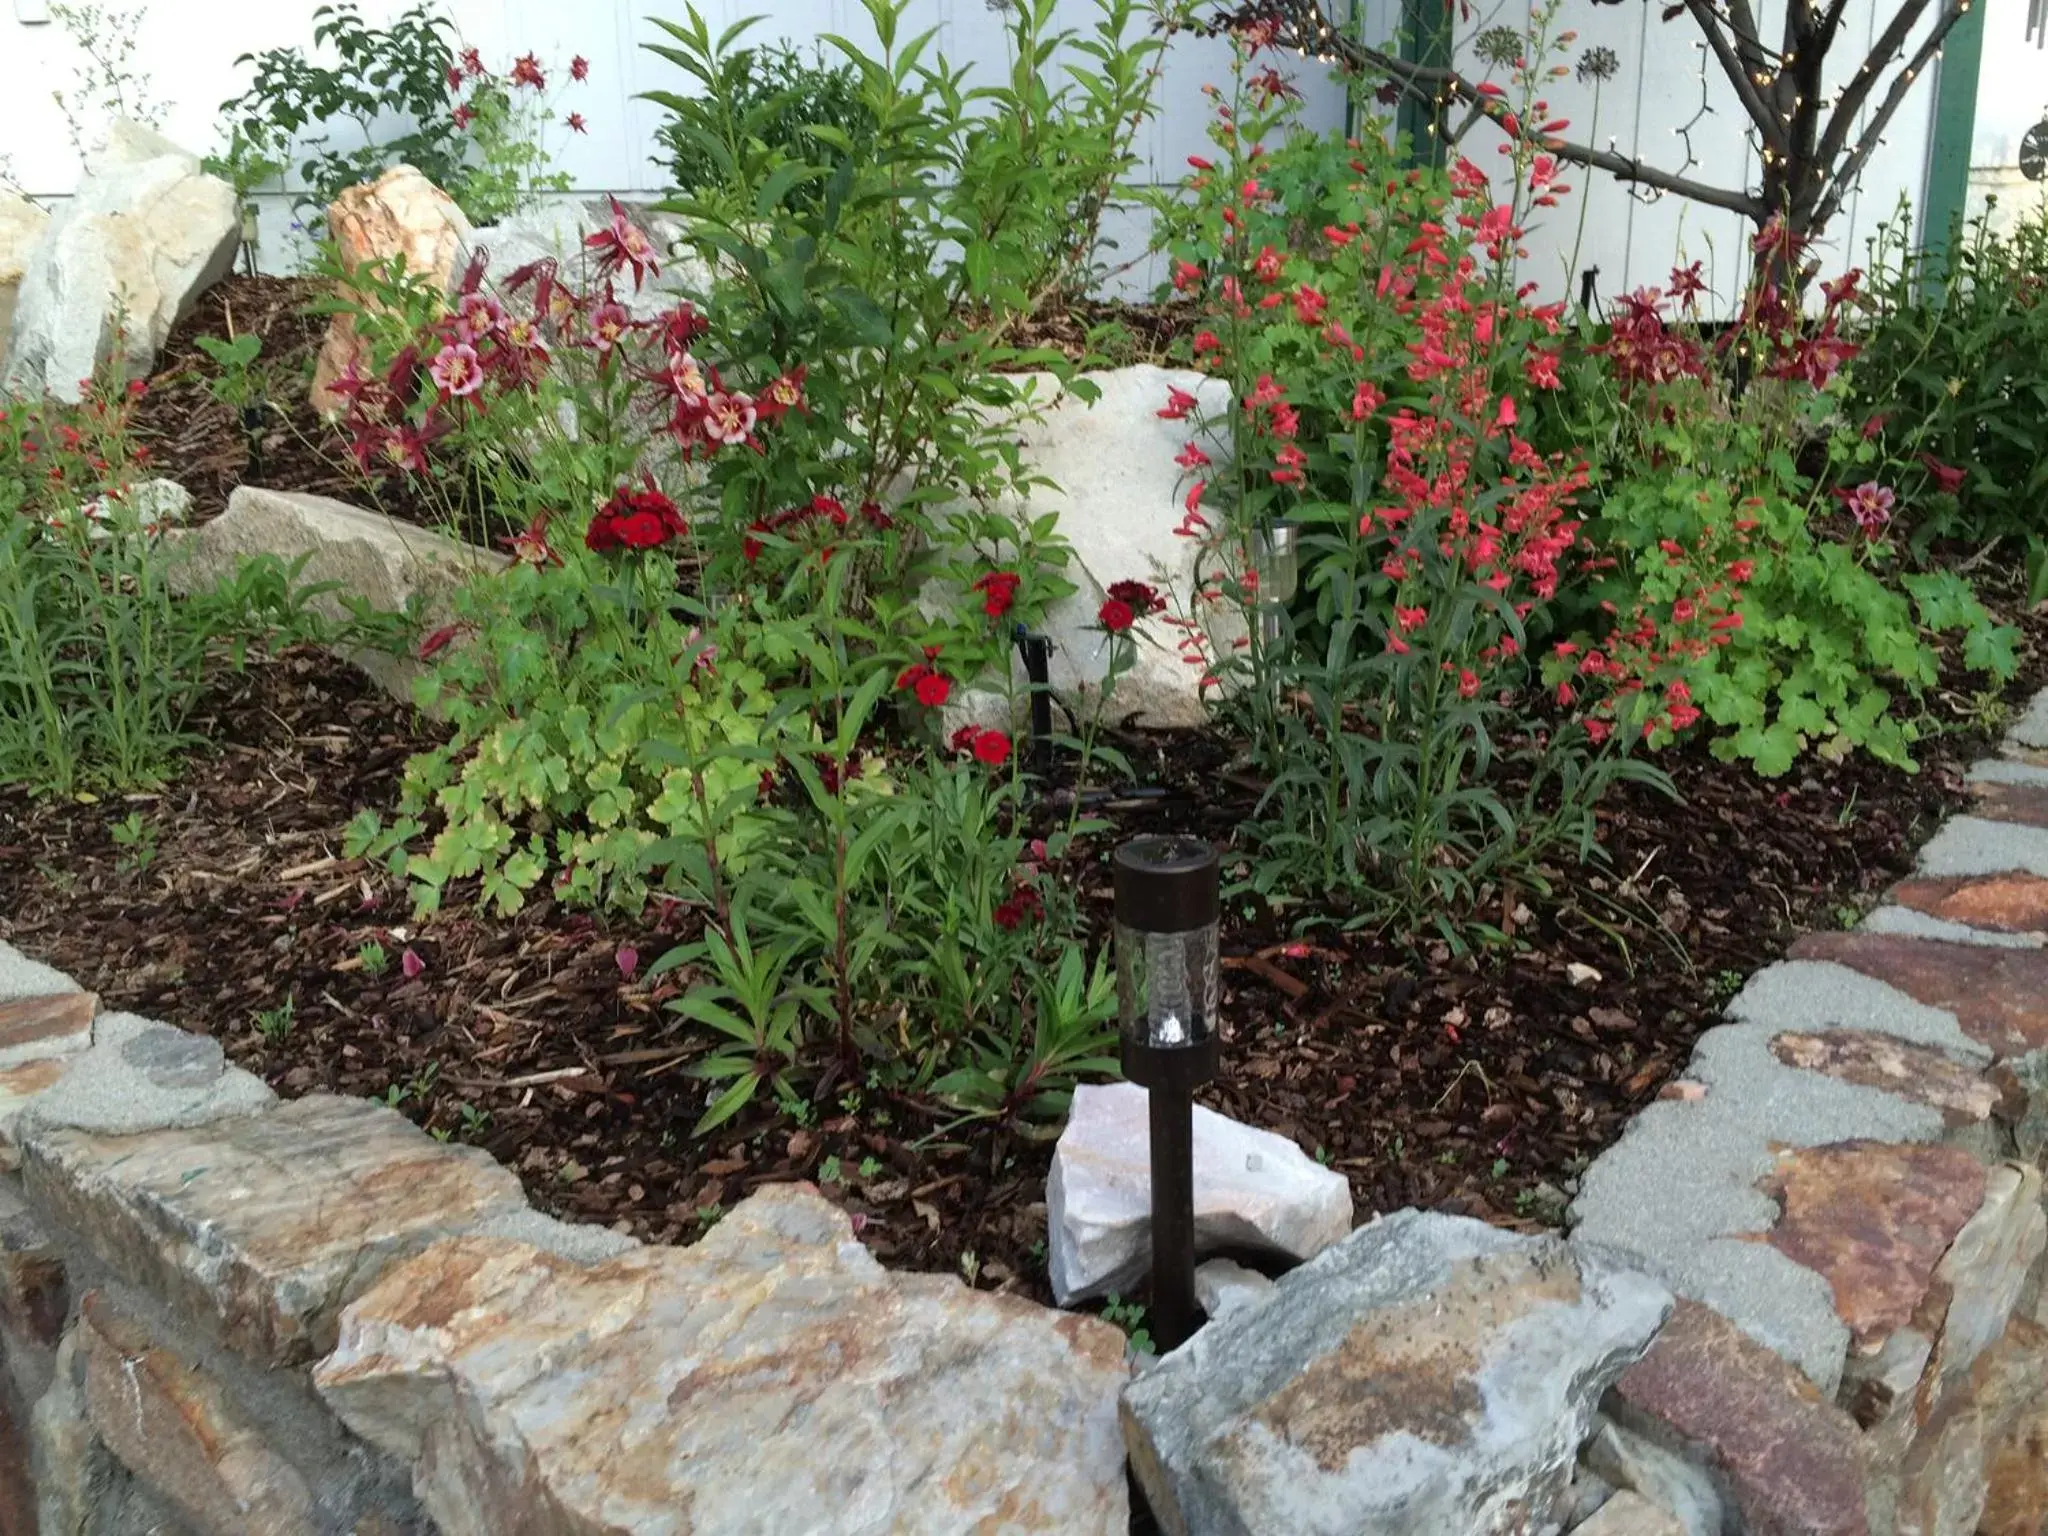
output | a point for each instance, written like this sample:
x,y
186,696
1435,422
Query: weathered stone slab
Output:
x,y
1945,1483
1630,1514
1925,1076
772,1378
139,1075
175,1429
35,1295
1974,845
1253,1190
1816,994
2031,729
1986,1270
23,977
1907,923
2023,804
365,556
1998,996
265,1226
2016,1498
37,1028
1875,1219
1682,1194
2009,903
1785,1462
19,1088
1428,1373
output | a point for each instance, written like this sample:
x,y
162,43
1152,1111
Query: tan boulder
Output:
x,y
772,1378
400,214
21,226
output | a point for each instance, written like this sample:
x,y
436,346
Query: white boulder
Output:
x,y
1253,1190
556,232
1119,496
145,234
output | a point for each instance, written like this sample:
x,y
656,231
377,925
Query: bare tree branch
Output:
x,y
1844,176
1843,120
1766,118
1431,83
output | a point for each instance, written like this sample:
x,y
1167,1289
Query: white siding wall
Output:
x,y
2012,96
188,48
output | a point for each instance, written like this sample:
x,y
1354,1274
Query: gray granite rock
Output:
x,y
1428,1373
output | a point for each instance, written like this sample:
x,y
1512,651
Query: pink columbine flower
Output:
x,y
455,371
729,418
1871,505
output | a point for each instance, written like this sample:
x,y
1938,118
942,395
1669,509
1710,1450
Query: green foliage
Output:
x,y
101,663
1952,378
1833,636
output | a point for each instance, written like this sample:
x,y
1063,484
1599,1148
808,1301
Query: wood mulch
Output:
x,y
1480,1085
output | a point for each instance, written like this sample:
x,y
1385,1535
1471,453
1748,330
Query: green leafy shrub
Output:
x,y
478,135
1703,483
812,110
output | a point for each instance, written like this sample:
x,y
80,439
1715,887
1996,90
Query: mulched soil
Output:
x,y
1479,1085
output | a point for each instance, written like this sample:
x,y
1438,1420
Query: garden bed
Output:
x,y
1480,1086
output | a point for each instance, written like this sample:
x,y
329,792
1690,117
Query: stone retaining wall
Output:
x,y
1802,1296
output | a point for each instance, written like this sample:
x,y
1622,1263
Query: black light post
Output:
x,y
1037,653
1167,909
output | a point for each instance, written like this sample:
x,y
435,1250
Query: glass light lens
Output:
x,y
1167,985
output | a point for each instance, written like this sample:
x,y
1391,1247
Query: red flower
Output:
x,y
1947,478
782,395
576,123
463,116
1178,403
933,690
622,243
1191,457
530,545
991,747
473,62
579,68
1116,616
1141,598
998,591
1540,369
1022,903
526,71
643,519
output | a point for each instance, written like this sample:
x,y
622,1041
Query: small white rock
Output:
x,y
1253,1190
1224,1285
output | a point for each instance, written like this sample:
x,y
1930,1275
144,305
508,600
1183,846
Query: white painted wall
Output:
x,y
2012,96
189,47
